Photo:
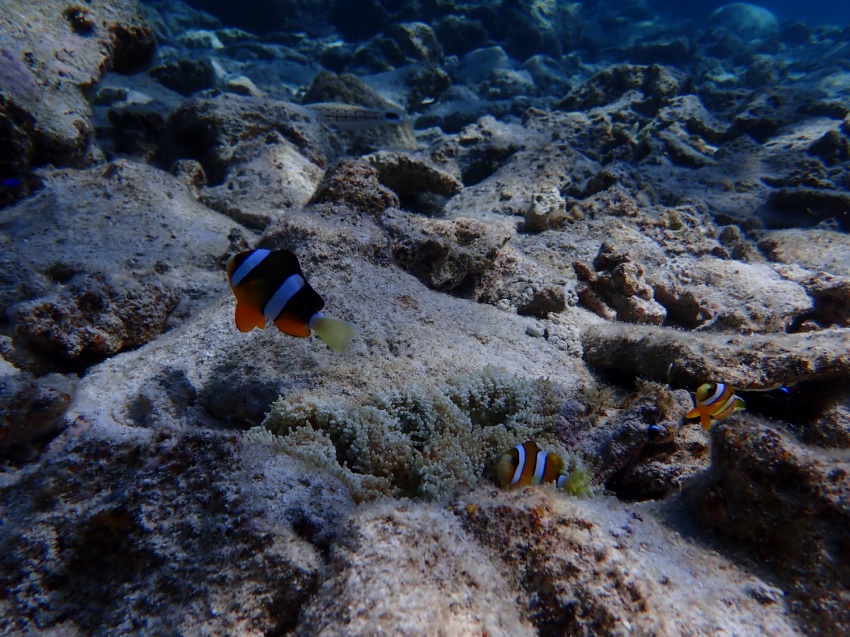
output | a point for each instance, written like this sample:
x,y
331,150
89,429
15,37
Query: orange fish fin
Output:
x,y
291,325
705,419
693,413
248,317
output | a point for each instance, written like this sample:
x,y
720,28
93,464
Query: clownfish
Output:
x,y
526,464
713,402
269,285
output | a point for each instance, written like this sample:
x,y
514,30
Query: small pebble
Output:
x,y
535,330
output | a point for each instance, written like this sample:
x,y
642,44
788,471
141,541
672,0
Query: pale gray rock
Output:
x,y
451,255
50,66
725,295
810,248
412,569
261,157
745,20
771,359
512,188
603,568
120,252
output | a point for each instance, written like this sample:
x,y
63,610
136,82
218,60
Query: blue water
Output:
x,y
835,12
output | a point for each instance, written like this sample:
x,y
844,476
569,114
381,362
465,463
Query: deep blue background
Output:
x,y
810,11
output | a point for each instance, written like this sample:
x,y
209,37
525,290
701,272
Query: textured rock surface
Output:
x,y
30,410
413,570
260,156
124,248
450,255
636,446
592,567
762,478
711,160
758,361
617,289
51,64
123,554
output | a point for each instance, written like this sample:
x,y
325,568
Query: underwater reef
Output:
x,y
547,222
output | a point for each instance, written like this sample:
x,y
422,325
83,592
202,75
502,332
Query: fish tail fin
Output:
x,y
335,333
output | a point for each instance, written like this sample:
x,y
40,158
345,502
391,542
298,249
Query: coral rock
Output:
x,y
420,184
355,183
411,569
449,255
618,289
757,361
219,565
584,570
67,48
761,478
91,319
31,409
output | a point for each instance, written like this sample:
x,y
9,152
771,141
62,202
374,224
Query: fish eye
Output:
x,y
653,432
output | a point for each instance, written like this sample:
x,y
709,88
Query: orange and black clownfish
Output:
x,y
269,285
526,464
713,402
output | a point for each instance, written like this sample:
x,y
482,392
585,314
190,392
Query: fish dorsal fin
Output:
x,y
248,317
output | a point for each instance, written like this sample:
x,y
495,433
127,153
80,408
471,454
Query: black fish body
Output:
x,y
269,285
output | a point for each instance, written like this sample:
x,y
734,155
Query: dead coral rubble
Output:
x,y
617,290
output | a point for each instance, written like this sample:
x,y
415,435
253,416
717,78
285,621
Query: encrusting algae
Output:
x,y
421,440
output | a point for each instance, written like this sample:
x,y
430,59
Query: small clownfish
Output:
x,y
715,401
269,285
526,464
